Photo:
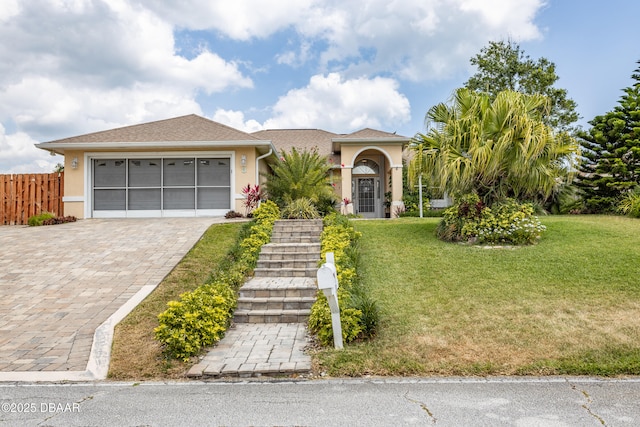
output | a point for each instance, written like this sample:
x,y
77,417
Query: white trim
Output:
x,y
67,199
373,147
78,146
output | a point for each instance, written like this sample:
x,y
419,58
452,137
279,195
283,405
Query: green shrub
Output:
x,y
359,314
264,217
36,220
200,318
507,222
630,204
302,208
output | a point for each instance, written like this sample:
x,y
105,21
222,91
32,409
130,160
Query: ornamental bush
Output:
x,y
508,222
36,220
359,314
198,320
630,204
201,317
302,208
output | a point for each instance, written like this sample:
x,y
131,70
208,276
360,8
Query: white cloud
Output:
x,y
236,119
331,103
19,155
418,40
338,105
72,65
237,19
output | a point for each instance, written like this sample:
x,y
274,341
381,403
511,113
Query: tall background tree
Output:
x,y
496,148
611,152
504,66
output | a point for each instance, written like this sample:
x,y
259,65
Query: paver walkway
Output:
x,y
256,349
269,335
59,283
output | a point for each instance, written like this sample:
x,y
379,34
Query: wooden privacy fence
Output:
x,y
24,195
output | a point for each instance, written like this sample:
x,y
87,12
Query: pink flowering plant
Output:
x,y
253,195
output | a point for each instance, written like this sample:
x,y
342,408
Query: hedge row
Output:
x,y
201,317
358,312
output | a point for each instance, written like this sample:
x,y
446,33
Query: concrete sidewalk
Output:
x,y
64,287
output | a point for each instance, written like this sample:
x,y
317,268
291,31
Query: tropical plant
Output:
x,y
497,149
252,195
300,175
302,208
630,203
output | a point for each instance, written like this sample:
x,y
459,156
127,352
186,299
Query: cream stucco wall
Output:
x,y
76,195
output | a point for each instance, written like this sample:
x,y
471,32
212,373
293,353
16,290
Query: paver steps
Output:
x,y
269,334
283,288
294,250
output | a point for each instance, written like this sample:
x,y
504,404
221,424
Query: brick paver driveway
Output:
x,y
59,283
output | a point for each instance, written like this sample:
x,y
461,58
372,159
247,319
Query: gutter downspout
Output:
x,y
258,164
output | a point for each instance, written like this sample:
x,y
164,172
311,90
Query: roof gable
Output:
x,y
185,128
367,133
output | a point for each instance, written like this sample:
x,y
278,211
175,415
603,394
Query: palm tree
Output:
x,y
496,149
300,175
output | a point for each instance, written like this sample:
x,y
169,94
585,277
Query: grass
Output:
x,y
568,305
135,354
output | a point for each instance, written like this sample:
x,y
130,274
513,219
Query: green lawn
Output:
x,y
568,305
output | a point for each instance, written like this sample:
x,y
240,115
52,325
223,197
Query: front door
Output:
x,y
368,197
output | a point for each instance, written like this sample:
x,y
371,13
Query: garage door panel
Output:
x,y
179,172
214,172
144,173
109,200
109,173
179,198
213,198
144,199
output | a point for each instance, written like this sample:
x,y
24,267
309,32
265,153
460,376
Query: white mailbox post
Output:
x,y
328,283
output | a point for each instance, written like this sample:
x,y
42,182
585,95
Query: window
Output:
x,y
366,167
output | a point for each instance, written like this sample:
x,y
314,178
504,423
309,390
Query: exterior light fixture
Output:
x,y
243,162
74,163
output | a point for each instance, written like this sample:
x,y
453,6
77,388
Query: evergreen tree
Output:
x,y
611,152
504,66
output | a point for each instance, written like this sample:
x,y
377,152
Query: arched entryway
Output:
x,y
367,186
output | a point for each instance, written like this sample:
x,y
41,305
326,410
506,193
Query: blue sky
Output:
x,y
69,67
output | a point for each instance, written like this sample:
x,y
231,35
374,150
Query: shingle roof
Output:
x,y
286,139
368,133
184,128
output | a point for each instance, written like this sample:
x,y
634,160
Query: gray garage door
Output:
x,y
161,187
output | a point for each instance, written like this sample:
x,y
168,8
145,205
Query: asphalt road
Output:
x,y
367,402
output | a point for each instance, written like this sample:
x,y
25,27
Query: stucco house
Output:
x,y
193,166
